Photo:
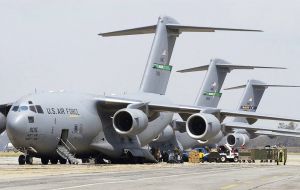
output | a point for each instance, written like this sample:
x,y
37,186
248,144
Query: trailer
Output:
x,y
267,154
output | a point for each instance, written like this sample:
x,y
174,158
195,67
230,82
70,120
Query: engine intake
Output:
x,y
237,139
130,121
203,126
2,123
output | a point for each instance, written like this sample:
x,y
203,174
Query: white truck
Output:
x,y
228,154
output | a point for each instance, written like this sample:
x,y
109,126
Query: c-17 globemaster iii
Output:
x,y
209,96
60,126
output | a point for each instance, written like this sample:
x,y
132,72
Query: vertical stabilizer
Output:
x,y
254,90
157,72
252,95
209,94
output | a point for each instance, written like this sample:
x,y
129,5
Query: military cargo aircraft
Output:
x,y
239,135
209,96
61,126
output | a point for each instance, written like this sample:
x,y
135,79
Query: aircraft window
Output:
x,y
30,119
39,109
23,108
32,108
30,102
15,108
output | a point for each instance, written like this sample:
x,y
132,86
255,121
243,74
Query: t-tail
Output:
x,y
157,72
254,90
209,94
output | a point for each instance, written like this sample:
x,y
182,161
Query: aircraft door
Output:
x,y
64,135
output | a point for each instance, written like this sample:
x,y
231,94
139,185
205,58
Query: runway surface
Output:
x,y
151,176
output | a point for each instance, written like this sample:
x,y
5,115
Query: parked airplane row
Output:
x,y
61,126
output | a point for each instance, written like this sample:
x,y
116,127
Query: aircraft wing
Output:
x,y
4,108
269,133
262,130
255,115
115,103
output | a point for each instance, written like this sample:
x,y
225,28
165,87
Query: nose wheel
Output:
x,y
29,160
25,159
22,159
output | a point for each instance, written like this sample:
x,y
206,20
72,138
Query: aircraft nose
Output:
x,y
16,128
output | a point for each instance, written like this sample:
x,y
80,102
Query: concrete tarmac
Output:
x,y
151,176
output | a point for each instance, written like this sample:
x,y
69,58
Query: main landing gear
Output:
x,y
25,159
46,160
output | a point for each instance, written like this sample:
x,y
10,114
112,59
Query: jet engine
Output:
x,y
213,140
165,135
203,126
2,123
237,139
130,121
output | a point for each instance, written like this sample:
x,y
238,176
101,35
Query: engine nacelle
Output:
x,y
237,139
202,126
165,135
2,123
213,140
130,121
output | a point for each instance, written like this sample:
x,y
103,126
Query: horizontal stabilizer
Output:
x,y
226,65
133,31
184,28
260,85
176,27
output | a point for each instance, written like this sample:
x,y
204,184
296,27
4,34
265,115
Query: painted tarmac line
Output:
x,y
229,186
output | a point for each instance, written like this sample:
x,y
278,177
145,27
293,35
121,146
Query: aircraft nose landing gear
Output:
x,y
29,160
25,159
22,159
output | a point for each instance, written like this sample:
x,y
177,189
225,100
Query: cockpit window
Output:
x,y
32,108
15,108
30,102
23,108
39,109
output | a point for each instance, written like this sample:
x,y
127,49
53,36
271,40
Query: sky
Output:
x,y
53,45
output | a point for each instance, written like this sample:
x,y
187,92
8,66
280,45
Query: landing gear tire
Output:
x,y
53,161
62,161
22,159
29,159
44,160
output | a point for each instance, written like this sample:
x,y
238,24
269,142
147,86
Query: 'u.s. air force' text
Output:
x,y
62,111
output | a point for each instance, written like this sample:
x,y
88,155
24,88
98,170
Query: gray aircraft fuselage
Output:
x,y
90,130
